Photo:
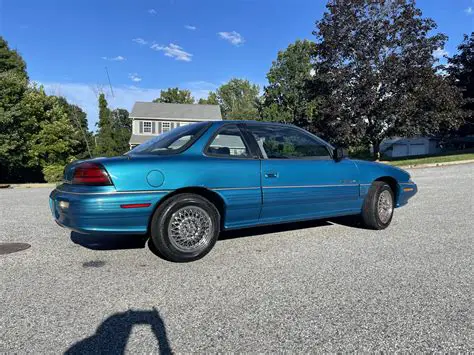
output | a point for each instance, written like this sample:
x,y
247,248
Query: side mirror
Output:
x,y
338,154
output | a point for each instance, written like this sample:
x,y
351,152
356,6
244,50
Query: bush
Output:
x,y
53,173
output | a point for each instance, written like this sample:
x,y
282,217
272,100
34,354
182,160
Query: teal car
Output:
x,y
186,186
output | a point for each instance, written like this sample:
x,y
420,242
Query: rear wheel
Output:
x,y
379,203
185,227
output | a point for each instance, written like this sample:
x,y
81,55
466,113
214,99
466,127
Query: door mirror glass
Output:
x,y
338,154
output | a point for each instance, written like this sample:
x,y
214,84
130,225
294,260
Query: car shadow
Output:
x,y
348,221
120,241
273,228
109,242
112,335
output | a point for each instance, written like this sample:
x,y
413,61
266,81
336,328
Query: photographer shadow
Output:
x,y
112,335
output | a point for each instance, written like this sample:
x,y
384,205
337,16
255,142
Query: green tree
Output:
x,y
13,131
376,61
105,144
239,99
212,99
122,130
175,96
57,143
461,70
286,98
52,139
10,60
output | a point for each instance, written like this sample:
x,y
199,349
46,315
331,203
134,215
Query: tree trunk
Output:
x,y
376,149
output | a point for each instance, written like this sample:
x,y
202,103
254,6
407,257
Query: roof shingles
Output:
x,y
176,112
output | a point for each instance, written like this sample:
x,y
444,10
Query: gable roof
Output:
x,y
176,111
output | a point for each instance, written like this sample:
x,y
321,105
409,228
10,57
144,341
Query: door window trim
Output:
x,y
252,154
263,155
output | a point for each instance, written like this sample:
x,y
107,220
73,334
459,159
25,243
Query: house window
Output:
x,y
146,127
165,127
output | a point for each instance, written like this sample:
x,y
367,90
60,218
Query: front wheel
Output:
x,y
185,227
379,203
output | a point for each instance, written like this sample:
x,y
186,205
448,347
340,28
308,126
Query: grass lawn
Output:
x,y
442,158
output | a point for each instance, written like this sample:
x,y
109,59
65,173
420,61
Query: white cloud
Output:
x,y
139,41
152,12
191,28
440,53
134,77
118,58
469,10
233,37
173,51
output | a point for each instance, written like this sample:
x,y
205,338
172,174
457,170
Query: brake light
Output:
x,y
91,174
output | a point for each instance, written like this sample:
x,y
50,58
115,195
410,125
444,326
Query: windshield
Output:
x,y
173,141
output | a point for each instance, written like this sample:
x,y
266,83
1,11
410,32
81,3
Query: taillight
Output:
x,y
91,174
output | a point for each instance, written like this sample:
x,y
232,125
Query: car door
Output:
x,y
300,179
233,171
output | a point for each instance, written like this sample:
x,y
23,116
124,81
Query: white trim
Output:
x,y
151,129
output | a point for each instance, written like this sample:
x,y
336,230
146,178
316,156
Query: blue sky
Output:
x,y
153,45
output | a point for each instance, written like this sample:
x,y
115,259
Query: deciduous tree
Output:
x,y
122,130
286,98
376,61
175,96
461,70
105,144
239,99
212,99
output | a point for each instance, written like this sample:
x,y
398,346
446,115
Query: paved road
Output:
x,y
327,287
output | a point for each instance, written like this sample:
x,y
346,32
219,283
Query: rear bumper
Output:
x,y
406,191
102,212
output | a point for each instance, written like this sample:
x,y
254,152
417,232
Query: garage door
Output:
x,y
400,150
417,149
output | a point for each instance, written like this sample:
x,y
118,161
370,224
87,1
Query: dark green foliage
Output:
x,y
122,130
175,96
37,132
461,70
105,144
374,63
10,60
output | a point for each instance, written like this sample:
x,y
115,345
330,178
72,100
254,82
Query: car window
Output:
x,y
280,142
172,141
228,143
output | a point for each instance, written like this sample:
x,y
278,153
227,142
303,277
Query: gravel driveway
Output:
x,y
320,286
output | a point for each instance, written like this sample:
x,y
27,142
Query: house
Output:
x,y
151,119
403,147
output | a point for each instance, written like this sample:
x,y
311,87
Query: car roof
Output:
x,y
251,121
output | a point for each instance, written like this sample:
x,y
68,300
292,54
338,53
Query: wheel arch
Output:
x,y
393,183
208,194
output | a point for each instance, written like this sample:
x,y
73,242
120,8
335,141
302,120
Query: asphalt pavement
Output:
x,y
322,286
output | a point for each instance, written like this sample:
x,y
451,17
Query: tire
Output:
x,y
380,195
185,227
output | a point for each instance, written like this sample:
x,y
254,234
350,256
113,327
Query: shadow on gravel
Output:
x,y
274,228
109,242
348,221
112,335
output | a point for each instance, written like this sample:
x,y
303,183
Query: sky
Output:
x,y
151,45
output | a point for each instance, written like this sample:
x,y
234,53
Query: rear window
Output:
x,y
172,142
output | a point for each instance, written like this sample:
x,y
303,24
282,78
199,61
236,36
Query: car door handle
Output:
x,y
271,175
